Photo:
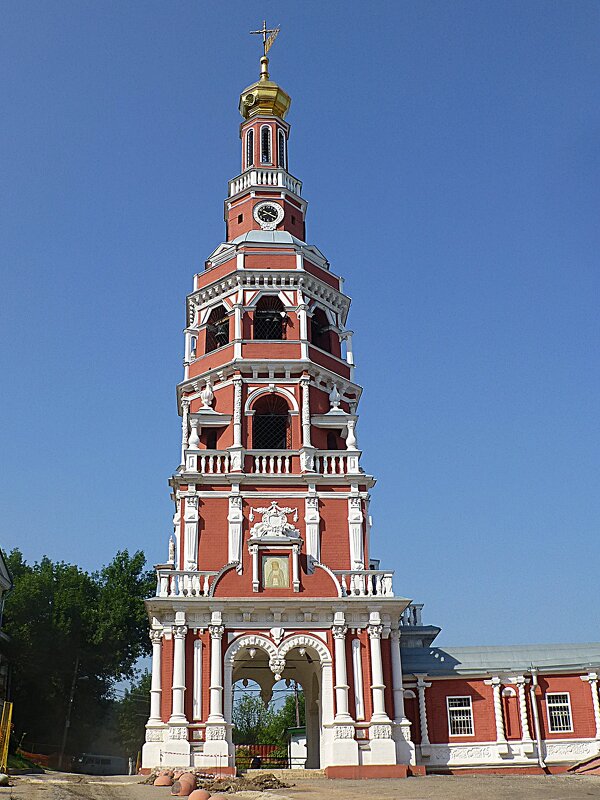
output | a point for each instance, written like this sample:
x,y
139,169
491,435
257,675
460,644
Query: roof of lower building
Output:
x,y
502,658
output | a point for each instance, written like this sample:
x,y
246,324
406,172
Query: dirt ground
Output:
x,y
471,787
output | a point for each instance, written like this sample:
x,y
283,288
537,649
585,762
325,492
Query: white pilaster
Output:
x,y
216,631
185,410
421,686
237,330
190,517
592,679
496,685
236,451
197,684
359,697
312,520
235,519
339,630
355,532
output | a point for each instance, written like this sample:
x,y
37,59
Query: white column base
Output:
x,y
344,747
405,748
382,745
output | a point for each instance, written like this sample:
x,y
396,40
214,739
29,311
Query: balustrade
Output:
x,y
264,177
278,462
183,583
274,462
208,462
365,583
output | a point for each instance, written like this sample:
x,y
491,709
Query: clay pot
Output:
x,y
163,780
183,787
199,794
219,797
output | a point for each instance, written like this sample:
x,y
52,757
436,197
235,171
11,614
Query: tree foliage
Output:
x,y
66,624
257,723
132,714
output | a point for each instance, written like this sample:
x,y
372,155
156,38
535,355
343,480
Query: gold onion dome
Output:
x,y
264,98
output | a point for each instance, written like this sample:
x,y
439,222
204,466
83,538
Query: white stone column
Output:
x,y
592,679
253,550
296,567
496,685
156,685
237,330
375,630
421,686
397,683
339,630
236,451
178,688
305,384
525,733
216,674
347,335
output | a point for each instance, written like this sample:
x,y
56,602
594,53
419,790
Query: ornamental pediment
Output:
x,y
274,524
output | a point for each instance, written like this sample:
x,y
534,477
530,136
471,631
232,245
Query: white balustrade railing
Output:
x,y
207,462
334,462
412,614
265,462
365,583
183,583
264,177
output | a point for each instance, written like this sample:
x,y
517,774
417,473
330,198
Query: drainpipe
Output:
x,y
536,718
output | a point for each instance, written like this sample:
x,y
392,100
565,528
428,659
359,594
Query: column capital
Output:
x,y
216,631
180,631
395,633
375,630
339,631
155,635
591,677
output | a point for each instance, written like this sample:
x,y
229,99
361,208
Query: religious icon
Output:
x,y
276,573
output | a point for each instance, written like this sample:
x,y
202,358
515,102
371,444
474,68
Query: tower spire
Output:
x,y
268,36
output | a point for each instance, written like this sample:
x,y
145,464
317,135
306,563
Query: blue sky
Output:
x,y
449,153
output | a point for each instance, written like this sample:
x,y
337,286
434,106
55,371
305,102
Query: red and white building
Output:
x,y
270,574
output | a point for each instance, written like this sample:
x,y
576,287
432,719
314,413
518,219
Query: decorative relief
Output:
x,y
207,395
215,732
178,732
344,732
274,522
568,749
375,631
154,735
155,636
277,665
381,731
179,631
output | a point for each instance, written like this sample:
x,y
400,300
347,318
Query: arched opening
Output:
x,y
271,429
319,330
217,329
249,149
269,318
282,160
334,440
265,144
276,718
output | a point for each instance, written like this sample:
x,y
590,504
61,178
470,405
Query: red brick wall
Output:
x,y
166,679
335,547
582,712
484,725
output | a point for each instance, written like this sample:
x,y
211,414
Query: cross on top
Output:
x,y
267,40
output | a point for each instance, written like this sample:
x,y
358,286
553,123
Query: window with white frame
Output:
x,y
281,149
249,149
460,716
558,705
265,144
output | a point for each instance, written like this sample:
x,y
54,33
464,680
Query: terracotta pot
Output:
x,y
163,780
199,794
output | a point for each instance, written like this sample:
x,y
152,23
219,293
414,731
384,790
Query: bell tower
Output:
x,y
270,575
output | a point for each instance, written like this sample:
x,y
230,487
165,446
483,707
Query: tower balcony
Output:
x,y
271,462
256,176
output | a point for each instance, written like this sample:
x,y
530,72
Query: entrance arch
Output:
x,y
300,657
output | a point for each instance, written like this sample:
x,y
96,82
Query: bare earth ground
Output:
x,y
472,787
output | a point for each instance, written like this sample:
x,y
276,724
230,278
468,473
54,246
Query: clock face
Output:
x,y
268,215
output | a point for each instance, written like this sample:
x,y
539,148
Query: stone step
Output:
x,y
287,774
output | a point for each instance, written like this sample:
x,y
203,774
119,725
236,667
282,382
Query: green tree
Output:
x,y
72,630
251,719
132,714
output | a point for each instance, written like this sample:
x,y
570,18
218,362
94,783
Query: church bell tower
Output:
x,y
270,575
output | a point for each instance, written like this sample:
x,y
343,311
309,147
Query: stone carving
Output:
x,y
171,550
207,395
568,749
344,732
274,522
381,731
277,665
155,636
180,631
215,732
277,634
216,631
154,735
339,631
335,398
375,631
178,732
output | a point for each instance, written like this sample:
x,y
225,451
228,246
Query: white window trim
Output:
x,y
549,718
249,150
281,135
470,706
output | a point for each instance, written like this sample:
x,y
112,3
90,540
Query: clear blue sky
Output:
x,y
449,153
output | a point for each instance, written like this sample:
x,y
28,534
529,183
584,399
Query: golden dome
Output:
x,y
264,98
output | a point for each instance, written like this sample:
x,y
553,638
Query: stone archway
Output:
x,y
300,657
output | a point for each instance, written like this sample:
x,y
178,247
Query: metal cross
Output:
x,y
267,40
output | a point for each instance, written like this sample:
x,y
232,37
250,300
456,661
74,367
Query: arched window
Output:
x,y
249,149
217,329
265,144
282,161
269,318
271,424
319,330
